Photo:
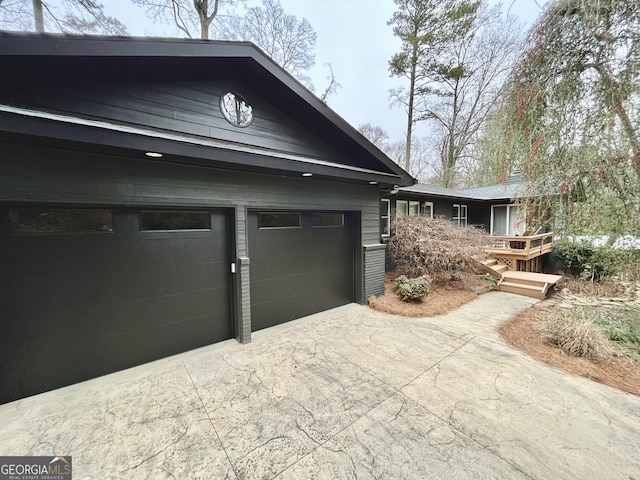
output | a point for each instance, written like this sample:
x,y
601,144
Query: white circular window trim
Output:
x,y
236,110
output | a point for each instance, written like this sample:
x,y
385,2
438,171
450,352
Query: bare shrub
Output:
x,y
435,246
575,334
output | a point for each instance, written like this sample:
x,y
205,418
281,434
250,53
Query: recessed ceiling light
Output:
x,y
307,174
153,154
373,183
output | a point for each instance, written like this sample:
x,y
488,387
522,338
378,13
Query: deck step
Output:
x,y
538,292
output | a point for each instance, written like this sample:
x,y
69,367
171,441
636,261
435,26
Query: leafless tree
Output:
x,y
421,165
460,99
67,16
332,87
189,16
289,41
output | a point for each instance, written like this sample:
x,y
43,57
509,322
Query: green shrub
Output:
x,y
491,281
597,262
412,289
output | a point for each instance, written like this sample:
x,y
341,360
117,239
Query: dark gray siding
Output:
x,y
374,269
478,212
38,175
186,107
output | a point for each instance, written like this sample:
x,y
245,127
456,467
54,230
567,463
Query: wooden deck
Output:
x,y
522,248
521,253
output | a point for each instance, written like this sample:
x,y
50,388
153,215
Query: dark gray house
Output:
x,y
161,195
493,208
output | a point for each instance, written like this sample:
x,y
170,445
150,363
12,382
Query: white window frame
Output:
x,y
460,214
424,208
508,207
387,217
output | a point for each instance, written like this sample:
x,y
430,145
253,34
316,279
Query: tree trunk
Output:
x,y
204,29
412,92
38,16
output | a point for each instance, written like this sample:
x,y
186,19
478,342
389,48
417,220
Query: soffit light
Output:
x,y
307,174
153,154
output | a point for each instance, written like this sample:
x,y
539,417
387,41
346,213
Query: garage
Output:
x,y
302,263
176,194
95,290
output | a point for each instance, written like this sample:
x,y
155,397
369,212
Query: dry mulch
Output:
x,y
442,298
520,331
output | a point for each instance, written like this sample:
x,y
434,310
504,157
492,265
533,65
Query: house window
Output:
x,y
507,220
402,208
385,216
427,209
406,207
327,220
236,110
278,220
460,215
34,221
174,221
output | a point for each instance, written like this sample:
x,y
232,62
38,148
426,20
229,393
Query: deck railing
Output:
x,y
522,247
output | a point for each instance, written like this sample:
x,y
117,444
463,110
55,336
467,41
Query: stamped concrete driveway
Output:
x,y
349,393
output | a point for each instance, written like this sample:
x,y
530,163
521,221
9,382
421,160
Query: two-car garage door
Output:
x,y
86,292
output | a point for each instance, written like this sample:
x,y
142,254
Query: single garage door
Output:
x,y
301,263
86,292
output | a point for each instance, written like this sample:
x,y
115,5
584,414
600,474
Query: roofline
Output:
x,y
49,44
456,194
66,128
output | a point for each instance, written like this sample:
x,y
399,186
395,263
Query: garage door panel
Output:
x,y
268,289
83,305
270,313
86,323
299,271
283,266
58,366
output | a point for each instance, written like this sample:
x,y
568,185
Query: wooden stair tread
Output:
x,y
530,276
523,285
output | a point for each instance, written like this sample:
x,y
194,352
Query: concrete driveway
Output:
x,y
350,393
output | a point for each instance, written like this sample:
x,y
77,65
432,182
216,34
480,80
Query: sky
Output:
x,y
353,36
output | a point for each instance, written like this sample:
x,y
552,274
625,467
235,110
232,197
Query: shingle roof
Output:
x,y
514,188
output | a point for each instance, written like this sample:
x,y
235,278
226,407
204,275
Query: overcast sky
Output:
x,y
354,37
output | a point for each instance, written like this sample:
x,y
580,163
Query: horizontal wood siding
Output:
x,y
187,107
374,268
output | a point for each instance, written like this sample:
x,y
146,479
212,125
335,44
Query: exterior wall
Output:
x,y
32,175
478,212
188,107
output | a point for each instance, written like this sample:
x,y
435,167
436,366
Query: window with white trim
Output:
x,y
385,217
414,208
507,220
460,214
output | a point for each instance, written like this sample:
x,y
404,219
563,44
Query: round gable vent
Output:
x,y
236,110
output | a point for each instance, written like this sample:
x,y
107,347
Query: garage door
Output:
x,y
301,263
89,292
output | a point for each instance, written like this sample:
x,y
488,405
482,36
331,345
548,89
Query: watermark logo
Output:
x,y
35,468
